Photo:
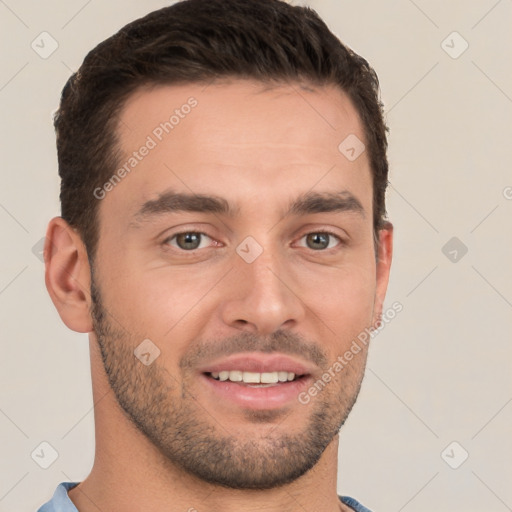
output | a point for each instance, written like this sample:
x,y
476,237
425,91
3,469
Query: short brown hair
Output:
x,y
200,41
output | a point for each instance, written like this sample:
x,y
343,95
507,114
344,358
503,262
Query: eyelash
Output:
x,y
193,251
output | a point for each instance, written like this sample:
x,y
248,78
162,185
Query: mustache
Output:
x,y
284,342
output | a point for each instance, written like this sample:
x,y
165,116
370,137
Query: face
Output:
x,y
236,259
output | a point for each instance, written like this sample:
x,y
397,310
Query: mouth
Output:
x,y
256,381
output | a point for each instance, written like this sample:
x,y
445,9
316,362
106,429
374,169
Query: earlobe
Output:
x,y
385,254
67,275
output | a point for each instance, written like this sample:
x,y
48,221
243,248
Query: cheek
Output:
x,y
159,303
171,304
341,303
344,291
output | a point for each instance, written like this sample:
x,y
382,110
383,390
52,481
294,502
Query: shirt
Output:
x,y
60,501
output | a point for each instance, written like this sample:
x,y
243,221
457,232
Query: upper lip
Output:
x,y
259,363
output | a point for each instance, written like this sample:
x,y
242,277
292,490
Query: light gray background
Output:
x,y
439,372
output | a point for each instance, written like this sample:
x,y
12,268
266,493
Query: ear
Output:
x,y
67,275
384,256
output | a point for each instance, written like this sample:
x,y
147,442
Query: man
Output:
x,y
222,241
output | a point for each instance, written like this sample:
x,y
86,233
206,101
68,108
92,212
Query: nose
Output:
x,y
263,296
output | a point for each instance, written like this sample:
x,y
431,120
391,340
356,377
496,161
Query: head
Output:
x,y
238,236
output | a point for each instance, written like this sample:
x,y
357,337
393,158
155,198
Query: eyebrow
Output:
x,y
305,204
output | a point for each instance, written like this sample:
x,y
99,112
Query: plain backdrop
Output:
x,y
438,386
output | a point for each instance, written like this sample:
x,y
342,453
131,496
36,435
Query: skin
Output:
x,y
259,147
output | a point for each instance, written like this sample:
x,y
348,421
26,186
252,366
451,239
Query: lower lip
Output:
x,y
258,398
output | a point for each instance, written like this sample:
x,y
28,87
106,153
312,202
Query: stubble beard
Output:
x,y
162,408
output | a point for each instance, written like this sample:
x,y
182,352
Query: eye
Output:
x,y
193,240
321,240
187,240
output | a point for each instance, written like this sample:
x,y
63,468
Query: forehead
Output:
x,y
245,141
239,112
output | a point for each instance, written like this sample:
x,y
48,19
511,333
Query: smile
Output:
x,y
246,377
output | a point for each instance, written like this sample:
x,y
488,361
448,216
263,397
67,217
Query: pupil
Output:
x,y
189,239
322,237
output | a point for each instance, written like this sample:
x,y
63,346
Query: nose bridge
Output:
x,y
261,295
265,273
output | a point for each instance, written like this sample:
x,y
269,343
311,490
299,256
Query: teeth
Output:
x,y
253,377
269,378
235,376
282,376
